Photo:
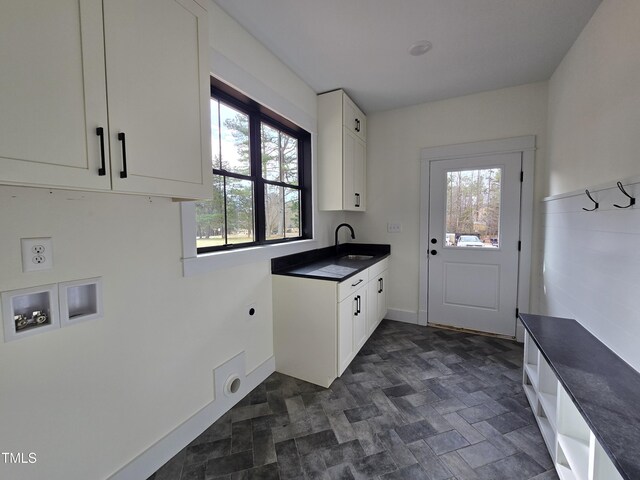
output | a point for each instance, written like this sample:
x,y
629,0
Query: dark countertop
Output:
x,y
604,388
329,263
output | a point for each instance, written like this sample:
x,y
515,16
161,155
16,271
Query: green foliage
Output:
x,y
473,201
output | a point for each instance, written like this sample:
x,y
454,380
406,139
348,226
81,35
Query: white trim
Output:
x,y
524,144
164,449
405,316
423,293
192,263
231,73
595,188
526,231
475,149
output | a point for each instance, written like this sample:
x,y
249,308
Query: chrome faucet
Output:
x,y
353,235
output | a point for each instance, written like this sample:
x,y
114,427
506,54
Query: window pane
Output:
x,y
274,211
279,155
291,212
270,152
234,140
215,134
239,211
210,217
473,208
289,148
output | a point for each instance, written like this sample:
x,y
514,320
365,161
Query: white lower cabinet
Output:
x,y
321,325
576,453
352,327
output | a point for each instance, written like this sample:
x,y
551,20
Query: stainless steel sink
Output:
x,y
357,257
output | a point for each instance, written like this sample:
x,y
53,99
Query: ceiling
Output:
x,y
362,45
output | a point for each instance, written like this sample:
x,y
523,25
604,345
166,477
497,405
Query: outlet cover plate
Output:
x,y
394,227
37,254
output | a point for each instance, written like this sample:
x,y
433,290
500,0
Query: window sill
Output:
x,y
209,262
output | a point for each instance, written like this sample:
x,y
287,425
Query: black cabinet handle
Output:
x,y
358,298
102,171
434,252
123,172
355,300
358,282
357,129
357,200
381,283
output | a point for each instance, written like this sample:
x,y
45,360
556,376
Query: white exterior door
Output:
x,y
474,233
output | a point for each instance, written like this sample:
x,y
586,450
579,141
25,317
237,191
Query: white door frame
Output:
x,y
525,145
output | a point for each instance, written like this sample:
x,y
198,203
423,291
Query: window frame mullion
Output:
x,y
255,153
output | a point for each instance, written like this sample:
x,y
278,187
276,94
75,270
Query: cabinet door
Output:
x,y
360,321
353,119
52,94
158,80
346,312
381,297
373,288
354,174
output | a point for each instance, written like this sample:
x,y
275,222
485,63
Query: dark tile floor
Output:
x,y
416,403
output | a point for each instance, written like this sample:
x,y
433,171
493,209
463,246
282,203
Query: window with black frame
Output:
x,y
261,176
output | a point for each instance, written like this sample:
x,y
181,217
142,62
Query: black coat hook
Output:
x,y
632,201
590,198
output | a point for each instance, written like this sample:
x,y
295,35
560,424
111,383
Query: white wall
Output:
x,y
591,258
394,140
594,102
88,399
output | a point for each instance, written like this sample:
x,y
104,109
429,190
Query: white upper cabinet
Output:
x,y
56,91
353,119
342,153
52,94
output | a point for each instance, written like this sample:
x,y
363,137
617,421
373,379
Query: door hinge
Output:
x,y
517,312
521,176
519,245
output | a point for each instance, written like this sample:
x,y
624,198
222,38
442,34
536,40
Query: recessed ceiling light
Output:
x,y
420,48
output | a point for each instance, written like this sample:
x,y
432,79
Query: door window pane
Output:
x,y
472,217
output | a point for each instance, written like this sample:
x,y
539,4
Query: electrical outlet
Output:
x,y
37,254
394,227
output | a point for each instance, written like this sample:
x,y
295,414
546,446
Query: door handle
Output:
x,y
123,172
102,171
433,252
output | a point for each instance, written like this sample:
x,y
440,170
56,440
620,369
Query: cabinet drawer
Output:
x,y
352,284
378,268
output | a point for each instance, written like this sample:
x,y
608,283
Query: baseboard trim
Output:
x,y
405,316
164,449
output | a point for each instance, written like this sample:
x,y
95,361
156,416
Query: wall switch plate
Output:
x,y
394,227
37,254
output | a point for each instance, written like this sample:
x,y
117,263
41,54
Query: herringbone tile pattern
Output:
x,y
416,403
